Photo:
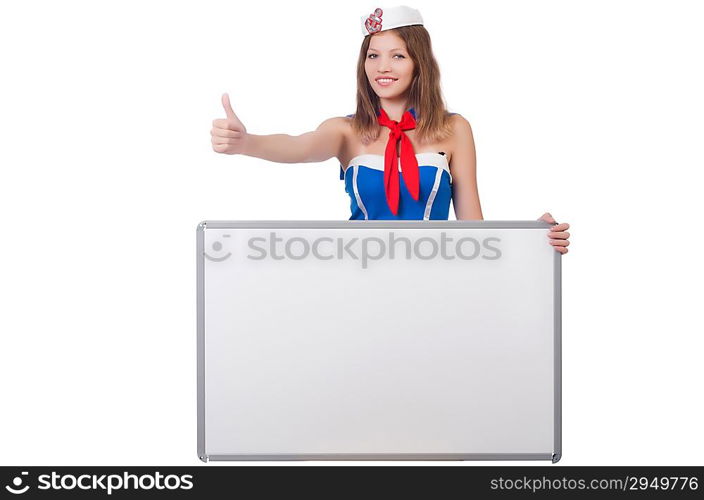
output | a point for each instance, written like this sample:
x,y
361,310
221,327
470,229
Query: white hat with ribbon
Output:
x,y
388,19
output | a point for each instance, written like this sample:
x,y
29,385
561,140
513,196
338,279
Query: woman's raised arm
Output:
x,y
229,136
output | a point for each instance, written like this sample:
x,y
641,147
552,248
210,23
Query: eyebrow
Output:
x,y
390,50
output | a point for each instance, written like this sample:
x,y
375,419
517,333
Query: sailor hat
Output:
x,y
388,19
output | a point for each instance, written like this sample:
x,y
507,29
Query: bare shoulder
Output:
x,y
460,125
341,127
336,128
461,143
331,136
462,136
336,123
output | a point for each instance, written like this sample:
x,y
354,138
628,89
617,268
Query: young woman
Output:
x,y
426,159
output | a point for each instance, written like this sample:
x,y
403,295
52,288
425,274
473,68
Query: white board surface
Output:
x,y
315,341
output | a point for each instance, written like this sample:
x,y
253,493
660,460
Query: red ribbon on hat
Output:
x,y
409,162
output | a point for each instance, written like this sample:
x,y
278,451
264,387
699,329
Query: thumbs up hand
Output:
x,y
229,134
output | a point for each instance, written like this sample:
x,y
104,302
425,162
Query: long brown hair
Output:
x,y
425,95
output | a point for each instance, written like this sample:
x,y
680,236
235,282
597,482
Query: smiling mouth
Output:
x,y
385,81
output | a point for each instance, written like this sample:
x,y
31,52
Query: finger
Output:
x,y
227,124
562,250
559,234
560,227
217,136
223,132
560,243
228,108
231,141
225,141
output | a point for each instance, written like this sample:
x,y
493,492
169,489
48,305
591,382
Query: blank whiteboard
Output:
x,y
378,340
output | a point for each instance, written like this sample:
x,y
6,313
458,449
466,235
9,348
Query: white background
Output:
x,y
592,111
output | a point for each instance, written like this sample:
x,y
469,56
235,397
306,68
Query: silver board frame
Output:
x,y
554,457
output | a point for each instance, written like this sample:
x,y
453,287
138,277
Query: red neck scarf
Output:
x,y
409,162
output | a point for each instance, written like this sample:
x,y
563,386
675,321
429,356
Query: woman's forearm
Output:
x,y
281,148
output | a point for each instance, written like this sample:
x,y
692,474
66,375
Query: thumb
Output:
x,y
547,217
228,108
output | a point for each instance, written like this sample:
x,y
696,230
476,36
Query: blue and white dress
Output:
x,y
364,182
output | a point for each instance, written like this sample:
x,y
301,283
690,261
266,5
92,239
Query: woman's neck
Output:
x,y
395,108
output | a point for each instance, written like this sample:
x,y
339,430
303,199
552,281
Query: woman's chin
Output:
x,y
390,94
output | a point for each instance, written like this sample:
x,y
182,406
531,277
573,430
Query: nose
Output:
x,y
384,65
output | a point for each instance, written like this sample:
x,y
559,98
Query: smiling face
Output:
x,y
388,66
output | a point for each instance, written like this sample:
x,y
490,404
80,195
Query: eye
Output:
x,y
369,56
